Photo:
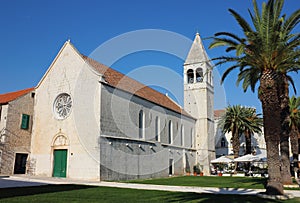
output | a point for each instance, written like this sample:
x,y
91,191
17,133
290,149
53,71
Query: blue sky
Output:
x,y
32,32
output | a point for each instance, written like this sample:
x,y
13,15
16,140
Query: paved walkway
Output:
x,y
23,181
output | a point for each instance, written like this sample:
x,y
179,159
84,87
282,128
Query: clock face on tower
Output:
x,y
62,106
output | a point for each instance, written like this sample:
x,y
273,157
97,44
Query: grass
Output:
x,y
77,193
210,181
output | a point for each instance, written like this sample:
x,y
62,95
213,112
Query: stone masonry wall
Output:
x,y
17,140
124,155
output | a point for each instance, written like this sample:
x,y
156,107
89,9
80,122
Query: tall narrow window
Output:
x,y
182,136
199,75
171,168
190,76
0,111
223,142
25,122
0,157
170,132
192,137
157,129
141,125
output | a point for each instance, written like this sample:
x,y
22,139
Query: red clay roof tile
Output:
x,y
8,97
219,113
125,83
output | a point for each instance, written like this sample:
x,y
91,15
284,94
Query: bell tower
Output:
x,y
199,101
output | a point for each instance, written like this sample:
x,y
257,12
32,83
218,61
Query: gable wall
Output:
x,y
79,131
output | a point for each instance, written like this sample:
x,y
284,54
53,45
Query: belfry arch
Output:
x,y
190,76
199,75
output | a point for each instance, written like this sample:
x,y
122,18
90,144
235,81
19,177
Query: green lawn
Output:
x,y
76,193
208,181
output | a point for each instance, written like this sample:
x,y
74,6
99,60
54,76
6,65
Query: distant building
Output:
x,y
16,111
223,143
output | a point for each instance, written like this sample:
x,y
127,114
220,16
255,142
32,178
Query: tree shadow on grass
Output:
x,y
256,181
34,190
216,198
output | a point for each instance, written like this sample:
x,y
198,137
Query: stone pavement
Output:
x,y
23,181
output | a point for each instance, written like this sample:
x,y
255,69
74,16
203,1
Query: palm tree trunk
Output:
x,y
235,145
295,146
285,159
285,132
268,95
248,142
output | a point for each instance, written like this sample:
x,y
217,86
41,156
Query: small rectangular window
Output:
x,y
25,122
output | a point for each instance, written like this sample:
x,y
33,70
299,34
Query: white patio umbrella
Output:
x,y
247,158
262,157
222,159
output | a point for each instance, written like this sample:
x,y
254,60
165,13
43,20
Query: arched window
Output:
x,y
182,136
141,124
223,142
199,75
157,129
190,76
170,140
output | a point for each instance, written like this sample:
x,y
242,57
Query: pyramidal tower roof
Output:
x,y
197,52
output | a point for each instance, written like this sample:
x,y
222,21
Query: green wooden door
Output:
x,y
60,163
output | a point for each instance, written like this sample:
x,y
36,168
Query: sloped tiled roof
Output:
x,y
219,113
8,97
125,83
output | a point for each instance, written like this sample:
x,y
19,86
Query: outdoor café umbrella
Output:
x,y
222,159
247,158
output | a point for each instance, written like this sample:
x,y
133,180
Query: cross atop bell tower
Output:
x,y
199,100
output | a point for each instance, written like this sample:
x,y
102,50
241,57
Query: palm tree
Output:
x,y
252,125
265,55
295,128
232,121
240,120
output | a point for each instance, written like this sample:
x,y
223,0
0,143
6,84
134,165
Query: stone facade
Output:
x,y
125,155
91,122
78,133
15,142
198,101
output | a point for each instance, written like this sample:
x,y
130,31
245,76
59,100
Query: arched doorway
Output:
x,y
60,156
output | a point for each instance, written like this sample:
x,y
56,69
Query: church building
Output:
x,y
92,122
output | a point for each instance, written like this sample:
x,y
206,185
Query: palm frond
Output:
x,y
228,34
222,42
242,22
225,74
291,22
291,81
270,45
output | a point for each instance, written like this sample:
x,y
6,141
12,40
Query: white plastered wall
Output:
x,y
79,132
